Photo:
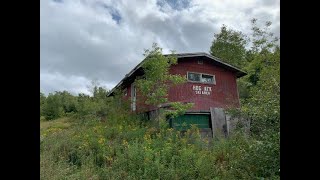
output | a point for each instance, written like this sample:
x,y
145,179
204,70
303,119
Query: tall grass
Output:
x,y
131,149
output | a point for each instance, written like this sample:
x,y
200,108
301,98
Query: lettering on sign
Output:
x,y
199,90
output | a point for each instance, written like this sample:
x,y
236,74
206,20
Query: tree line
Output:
x,y
63,103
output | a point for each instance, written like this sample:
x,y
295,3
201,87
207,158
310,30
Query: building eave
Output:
x,y
239,73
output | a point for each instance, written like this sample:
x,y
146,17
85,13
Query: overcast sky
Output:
x,y
85,40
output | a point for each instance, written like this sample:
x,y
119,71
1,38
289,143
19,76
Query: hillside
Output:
x,y
90,149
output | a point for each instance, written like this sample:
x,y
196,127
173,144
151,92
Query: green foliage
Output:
x,y
262,40
263,107
263,157
42,103
59,104
178,109
260,102
85,105
96,105
126,150
68,101
53,107
229,45
155,82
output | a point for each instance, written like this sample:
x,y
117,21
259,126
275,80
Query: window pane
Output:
x,y
193,77
207,78
125,92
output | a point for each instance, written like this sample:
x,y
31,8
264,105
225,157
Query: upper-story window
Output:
x,y
201,78
125,92
194,77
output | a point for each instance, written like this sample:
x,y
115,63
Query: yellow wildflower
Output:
x,y
101,140
125,143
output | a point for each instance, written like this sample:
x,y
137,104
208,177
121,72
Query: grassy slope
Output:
x,y
58,123
100,150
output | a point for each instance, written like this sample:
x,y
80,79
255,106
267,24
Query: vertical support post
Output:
x,y
212,121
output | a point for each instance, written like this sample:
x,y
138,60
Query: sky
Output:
x,y
102,40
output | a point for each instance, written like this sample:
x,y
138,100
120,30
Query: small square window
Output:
x,y
200,61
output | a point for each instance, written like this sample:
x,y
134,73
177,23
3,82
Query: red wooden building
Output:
x,y
210,84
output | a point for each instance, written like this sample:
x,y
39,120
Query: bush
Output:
x,y
109,150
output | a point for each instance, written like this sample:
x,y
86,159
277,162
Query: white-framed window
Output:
x,y
200,61
133,97
125,92
201,78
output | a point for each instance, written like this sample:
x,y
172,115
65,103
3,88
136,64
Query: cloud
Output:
x,y
81,40
74,84
176,5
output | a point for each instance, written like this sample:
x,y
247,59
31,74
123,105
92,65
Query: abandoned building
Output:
x,y
211,85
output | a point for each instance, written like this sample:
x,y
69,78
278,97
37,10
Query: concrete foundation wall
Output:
x,y
219,124
222,124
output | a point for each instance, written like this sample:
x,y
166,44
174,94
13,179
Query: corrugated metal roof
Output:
x,y
240,73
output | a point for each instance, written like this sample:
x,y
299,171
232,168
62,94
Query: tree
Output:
x,y
260,89
263,106
100,99
260,97
229,46
68,101
155,82
57,104
99,93
262,40
53,108
42,102
95,105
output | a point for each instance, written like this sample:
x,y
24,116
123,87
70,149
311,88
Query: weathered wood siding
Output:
x,y
223,94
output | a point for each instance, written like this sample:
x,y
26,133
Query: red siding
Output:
x,y
140,105
224,93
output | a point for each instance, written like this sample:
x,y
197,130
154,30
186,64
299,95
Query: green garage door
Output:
x,y
184,122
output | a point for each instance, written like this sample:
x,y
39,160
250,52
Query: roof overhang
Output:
x,y
239,73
